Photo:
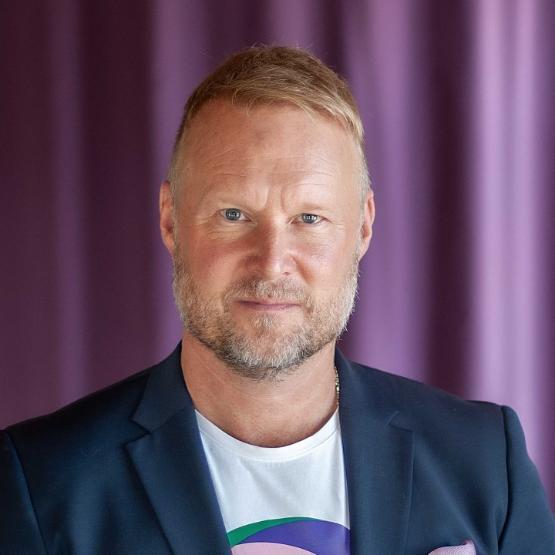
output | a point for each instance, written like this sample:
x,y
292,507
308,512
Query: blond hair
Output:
x,y
275,74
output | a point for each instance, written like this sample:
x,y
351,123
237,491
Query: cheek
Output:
x,y
317,259
212,264
325,262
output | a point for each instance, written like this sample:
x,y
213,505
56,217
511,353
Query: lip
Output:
x,y
267,305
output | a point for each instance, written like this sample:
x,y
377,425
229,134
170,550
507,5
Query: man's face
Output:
x,y
268,234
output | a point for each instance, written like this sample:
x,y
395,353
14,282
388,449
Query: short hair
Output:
x,y
262,75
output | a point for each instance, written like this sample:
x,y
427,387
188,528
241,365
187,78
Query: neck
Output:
x,y
269,413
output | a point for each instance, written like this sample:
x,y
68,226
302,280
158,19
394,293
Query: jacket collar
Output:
x,y
172,467
378,455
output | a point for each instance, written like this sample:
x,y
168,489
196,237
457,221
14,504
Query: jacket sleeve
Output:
x,y
19,529
529,526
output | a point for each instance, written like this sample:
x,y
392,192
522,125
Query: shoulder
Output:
x,y
96,422
437,418
415,400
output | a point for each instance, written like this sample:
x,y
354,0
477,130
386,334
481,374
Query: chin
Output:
x,y
269,339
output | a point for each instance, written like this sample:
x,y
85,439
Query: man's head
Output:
x,y
262,210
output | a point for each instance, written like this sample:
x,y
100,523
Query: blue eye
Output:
x,y
310,218
232,214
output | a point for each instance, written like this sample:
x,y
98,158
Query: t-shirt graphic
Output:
x,y
288,536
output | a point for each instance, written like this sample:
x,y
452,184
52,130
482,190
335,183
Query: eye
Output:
x,y
310,218
232,214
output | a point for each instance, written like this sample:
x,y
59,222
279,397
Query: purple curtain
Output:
x,y
457,99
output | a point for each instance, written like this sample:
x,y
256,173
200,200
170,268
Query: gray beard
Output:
x,y
267,351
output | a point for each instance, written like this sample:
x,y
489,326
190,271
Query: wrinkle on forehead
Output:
x,y
309,181
226,143
236,163
206,150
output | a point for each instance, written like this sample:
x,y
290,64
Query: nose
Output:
x,y
272,255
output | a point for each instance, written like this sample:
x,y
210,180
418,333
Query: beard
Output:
x,y
266,347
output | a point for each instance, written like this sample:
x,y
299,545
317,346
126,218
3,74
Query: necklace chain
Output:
x,y
336,384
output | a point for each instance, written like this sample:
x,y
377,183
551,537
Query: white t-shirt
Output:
x,y
281,500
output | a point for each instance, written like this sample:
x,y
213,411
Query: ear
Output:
x,y
167,224
369,213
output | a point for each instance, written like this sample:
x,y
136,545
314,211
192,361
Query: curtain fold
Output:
x,y
457,289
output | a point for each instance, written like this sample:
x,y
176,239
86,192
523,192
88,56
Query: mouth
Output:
x,y
267,305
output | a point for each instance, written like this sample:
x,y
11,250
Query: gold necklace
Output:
x,y
336,384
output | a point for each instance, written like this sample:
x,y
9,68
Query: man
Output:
x,y
256,435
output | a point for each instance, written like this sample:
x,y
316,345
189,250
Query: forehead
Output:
x,y
277,138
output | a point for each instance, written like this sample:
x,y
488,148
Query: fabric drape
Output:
x,y
457,101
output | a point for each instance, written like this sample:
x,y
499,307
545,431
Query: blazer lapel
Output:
x,y
378,462
172,467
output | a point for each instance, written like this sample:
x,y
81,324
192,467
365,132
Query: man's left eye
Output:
x,y
310,218
232,214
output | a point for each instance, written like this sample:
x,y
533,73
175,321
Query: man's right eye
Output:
x,y
232,214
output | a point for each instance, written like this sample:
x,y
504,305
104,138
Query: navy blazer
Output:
x,y
123,471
